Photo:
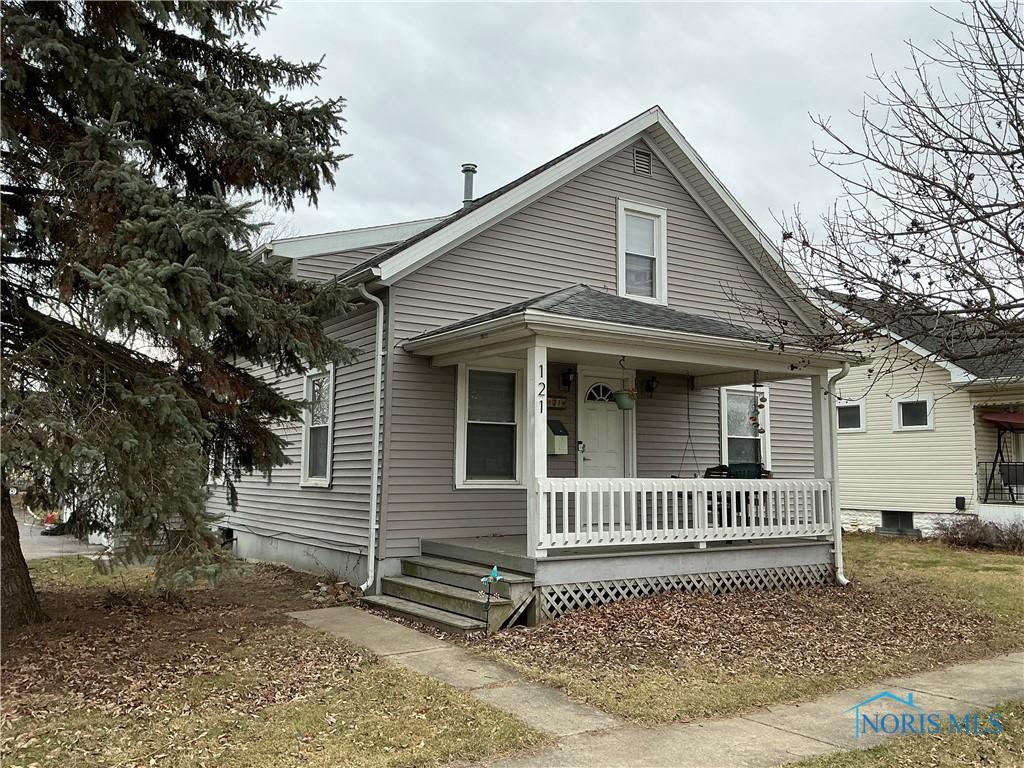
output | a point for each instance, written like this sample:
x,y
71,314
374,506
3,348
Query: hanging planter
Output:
x,y
625,399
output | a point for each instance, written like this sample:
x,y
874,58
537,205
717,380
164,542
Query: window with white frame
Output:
x,y
488,444
914,413
850,416
642,263
318,428
746,435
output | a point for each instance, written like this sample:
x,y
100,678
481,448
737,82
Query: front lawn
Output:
x,y
122,677
912,606
943,750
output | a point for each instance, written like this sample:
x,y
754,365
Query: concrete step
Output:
x,y
424,614
453,549
465,575
445,597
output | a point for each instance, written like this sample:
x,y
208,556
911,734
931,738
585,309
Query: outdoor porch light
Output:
x,y
650,385
568,377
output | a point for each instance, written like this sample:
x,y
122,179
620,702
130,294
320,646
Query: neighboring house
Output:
x,y
509,331
919,436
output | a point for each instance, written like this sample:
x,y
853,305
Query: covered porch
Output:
x,y
683,465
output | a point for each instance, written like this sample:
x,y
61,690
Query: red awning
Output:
x,y
1009,420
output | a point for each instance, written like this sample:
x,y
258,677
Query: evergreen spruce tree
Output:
x,y
133,133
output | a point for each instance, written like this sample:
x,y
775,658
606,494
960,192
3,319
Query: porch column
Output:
x,y
535,463
823,410
823,437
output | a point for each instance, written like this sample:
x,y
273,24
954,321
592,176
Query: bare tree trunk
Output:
x,y
19,604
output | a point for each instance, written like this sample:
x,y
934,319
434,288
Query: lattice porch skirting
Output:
x,y
558,599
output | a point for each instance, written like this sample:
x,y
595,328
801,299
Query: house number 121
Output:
x,y
542,388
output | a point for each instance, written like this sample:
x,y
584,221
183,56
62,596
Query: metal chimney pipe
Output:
x,y
468,169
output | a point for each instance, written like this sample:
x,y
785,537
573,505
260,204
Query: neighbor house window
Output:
x,y
913,413
318,428
850,416
489,436
743,442
642,262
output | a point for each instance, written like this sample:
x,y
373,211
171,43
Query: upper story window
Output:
x,y
642,262
318,428
850,416
746,436
915,413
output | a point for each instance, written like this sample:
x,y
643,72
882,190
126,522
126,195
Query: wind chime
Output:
x,y
760,402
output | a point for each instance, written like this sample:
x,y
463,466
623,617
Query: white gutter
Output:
x,y
378,352
837,524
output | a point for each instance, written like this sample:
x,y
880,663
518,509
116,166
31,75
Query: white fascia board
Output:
x,y
734,207
349,239
459,231
725,230
957,375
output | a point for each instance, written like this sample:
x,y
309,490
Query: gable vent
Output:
x,y
642,162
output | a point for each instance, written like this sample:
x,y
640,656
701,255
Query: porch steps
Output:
x,y
451,550
445,597
460,574
425,614
448,593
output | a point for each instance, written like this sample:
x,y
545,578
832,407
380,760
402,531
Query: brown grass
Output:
x,y
911,606
121,676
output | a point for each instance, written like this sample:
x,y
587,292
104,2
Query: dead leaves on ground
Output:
x,y
804,633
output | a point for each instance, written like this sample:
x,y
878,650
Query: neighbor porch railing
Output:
x,y
596,512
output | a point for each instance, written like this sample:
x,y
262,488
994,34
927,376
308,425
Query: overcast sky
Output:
x,y
430,86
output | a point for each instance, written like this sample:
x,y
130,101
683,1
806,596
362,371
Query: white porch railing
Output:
x,y
595,512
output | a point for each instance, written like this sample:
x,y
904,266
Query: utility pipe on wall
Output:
x,y
837,523
378,352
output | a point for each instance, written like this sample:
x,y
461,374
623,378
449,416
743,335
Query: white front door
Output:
x,y
600,427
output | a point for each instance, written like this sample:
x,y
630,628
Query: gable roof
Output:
x,y
586,303
968,348
672,150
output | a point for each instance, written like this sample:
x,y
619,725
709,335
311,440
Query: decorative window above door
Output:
x,y
599,393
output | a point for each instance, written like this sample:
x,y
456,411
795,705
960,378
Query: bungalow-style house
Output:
x,y
565,379
922,438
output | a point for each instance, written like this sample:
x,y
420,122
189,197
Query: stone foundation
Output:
x,y
870,519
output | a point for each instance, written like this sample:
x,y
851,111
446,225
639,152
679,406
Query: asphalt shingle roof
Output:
x,y
582,301
971,344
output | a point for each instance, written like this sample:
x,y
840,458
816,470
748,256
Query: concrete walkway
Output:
x,y
587,737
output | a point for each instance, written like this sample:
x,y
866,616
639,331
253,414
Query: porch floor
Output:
x,y
510,551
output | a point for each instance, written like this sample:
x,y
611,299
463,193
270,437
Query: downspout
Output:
x,y
837,525
378,351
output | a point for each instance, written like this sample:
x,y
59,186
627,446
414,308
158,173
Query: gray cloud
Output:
x,y
510,86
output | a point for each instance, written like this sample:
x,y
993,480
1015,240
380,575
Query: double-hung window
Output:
x,y
318,428
642,263
488,438
743,441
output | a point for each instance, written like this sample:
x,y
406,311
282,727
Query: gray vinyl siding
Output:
x,y
668,443
328,265
567,237
334,517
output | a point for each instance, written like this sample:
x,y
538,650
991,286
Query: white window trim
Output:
x,y
462,419
307,391
897,413
660,250
766,438
863,415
